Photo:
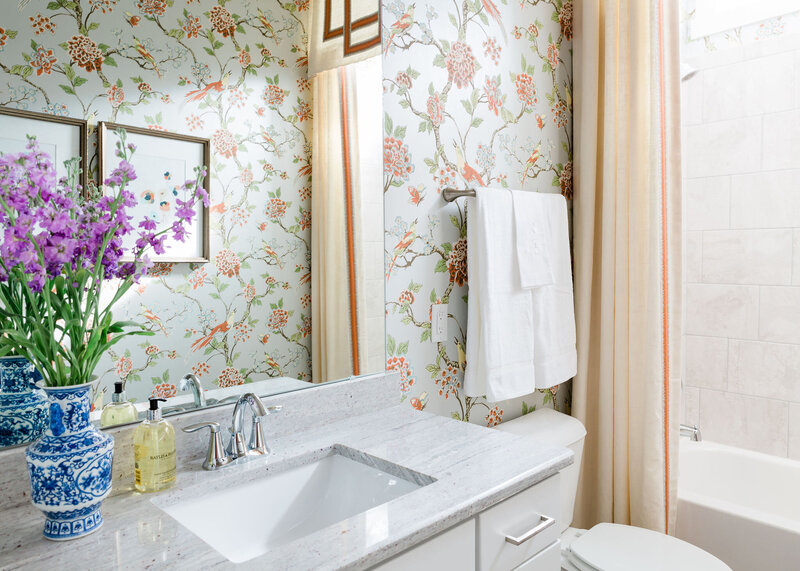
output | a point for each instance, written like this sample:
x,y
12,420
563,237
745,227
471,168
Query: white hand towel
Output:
x,y
543,254
500,340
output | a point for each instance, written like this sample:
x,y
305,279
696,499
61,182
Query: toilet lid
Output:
x,y
614,547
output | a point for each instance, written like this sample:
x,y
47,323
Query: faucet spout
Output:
x,y
190,382
238,447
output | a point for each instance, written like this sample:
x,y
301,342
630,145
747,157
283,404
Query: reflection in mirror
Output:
x,y
281,304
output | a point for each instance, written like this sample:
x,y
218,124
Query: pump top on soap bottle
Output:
x,y
119,410
154,451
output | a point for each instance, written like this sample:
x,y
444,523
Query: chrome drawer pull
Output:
x,y
543,524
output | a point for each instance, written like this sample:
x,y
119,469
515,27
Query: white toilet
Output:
x,y
605,547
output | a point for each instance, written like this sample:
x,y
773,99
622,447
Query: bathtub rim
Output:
x,y
761,517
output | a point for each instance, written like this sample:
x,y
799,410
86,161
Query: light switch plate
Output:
x,y
439,322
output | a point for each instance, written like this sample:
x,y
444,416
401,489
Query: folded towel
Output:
x,y
500,339
543,255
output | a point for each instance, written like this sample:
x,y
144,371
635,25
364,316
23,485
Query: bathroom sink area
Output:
x,y
250,518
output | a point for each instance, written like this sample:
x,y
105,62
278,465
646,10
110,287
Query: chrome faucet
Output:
x,y
237,447
692,432
190,382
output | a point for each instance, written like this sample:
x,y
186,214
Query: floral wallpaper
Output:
x,y
476,93
742,35
234,71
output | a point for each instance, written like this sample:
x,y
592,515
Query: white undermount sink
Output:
x,y
251,518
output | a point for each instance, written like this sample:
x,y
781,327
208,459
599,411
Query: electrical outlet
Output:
x,y
439,322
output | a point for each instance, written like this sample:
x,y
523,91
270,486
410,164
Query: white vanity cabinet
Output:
x,y
520,534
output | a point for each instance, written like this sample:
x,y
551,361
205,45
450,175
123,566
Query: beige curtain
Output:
x,y
346,230
343,32
627,259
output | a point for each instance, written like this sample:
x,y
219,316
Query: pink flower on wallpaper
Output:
x,y
85,53
43,60
495,416
273,95
493,96
123,367
526,90
227,262
278,319
406,296
249,292
303,84
396,160
560,114
151,350
303,111
42,24
401,364
115,96
565,19
230,377
194,122
435,109
492,49
246,176
447,381
552,55
152,7
276,208
224,142
457,262
222,21
192,26
304,220
445,177
164,391
460,64
198,277
305,326
403,80
237,98
244,59
242,332
200,369
144,87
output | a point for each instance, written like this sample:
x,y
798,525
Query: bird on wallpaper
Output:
x,y
491,9
143,51
148,314
221,328
91,123
531,161
402,246
272,254
264,22
462,355
218,86
403,23
468,172
273,364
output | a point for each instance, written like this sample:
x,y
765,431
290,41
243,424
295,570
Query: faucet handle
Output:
x,y
216,456
258,445
274,408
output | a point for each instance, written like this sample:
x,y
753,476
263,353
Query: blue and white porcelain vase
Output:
x,y
70,466
24,410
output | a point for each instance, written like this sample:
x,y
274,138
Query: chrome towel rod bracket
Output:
x,y
450,194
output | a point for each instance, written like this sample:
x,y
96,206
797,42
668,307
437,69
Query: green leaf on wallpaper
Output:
x,y
67,89
390,345
69,71
438,61
507,116
110,61
209,51
402,349
454,220
34,45
79,81
524,63
53,5
414,287
403,104
406,320
413,73
550,98
93,26
425,336
477,122
467,106
400,133
556,182
432,297
423,127
441,267
452,19
447,247
445,45
388,126
554,16
11,34
218,45
213,295
484,18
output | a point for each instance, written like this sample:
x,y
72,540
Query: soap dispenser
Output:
x,y
119,410
154,451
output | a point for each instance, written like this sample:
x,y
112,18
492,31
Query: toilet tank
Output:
x,y
549,427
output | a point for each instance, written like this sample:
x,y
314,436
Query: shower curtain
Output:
x,y
627,259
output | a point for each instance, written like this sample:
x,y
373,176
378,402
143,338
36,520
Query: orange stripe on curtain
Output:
x,y
348,190
664,253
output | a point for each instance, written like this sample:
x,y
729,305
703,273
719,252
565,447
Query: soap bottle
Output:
x,y
154,452
119,410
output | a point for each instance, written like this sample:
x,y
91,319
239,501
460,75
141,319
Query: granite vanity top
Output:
x,y
474,468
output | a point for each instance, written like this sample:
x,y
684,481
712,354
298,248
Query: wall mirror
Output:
x,y
292,293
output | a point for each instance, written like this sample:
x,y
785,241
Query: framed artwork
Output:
x,y
62,138
163,162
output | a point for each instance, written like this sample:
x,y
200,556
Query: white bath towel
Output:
x,y
543,255
500,339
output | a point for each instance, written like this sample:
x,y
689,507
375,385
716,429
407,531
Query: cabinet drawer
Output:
x,y
527,518
547,560
452,549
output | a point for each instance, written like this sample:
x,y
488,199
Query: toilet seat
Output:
x,y
614,547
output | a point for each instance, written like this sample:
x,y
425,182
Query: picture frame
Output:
x,y
61,137
161,159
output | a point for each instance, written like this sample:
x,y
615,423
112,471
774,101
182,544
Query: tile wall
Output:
x,y
741,148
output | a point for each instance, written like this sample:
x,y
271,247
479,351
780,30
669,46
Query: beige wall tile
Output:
x,y
781,148
724,147
779,314
706,362
743,421
748,257
722,310
707,203
765,200
770,370
794,431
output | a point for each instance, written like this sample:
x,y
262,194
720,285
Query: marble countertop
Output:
x,y
474,468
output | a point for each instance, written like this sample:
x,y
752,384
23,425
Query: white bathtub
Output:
x,y
742,506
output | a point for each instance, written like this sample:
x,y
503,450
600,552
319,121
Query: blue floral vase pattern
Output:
x,y
70,466
24,410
